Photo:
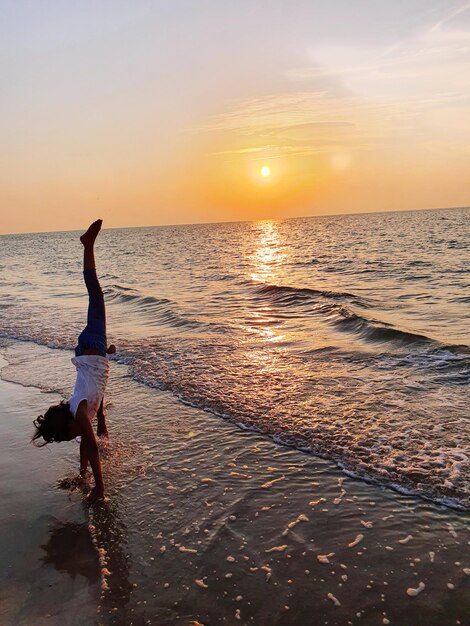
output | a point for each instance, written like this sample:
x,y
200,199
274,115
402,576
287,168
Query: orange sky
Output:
x,y
156,112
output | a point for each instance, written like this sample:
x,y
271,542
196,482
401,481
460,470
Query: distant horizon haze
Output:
x,y
261,219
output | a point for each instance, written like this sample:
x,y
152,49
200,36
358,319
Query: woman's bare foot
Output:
x,y
88,238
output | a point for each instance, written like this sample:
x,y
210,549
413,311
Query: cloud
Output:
x,y
300,124
450,16
435,60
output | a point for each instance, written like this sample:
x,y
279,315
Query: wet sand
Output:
x,y
209,524
49,568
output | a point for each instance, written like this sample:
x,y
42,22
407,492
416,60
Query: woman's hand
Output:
x,y
90,451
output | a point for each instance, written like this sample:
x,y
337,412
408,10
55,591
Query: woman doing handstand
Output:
x,y
67,420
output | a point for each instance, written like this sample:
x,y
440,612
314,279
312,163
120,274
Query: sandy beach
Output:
x,y
207,523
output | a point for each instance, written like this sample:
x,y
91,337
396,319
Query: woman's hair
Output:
x,y
54,424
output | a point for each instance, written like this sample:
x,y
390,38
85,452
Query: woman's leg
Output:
x,y
96,316
92,340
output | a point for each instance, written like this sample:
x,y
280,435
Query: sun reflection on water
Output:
x,y
270,254
267,261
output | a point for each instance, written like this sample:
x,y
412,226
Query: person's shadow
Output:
x,y
70,550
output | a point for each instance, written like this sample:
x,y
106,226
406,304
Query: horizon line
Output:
x,y
264,219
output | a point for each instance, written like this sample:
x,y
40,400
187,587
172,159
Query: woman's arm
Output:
x,y
90,450
83,459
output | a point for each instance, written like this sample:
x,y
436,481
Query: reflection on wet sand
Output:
x,y
94,550
109,536
70,550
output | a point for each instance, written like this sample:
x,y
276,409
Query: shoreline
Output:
x,y
300,446
188,490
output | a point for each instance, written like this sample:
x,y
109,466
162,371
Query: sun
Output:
x,y
265,171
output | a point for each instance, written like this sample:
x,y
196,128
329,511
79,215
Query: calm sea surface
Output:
x,y
344,335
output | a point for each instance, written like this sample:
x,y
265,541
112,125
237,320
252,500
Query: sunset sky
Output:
x,y
165,112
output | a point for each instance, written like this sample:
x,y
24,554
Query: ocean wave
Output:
x,y
158,311
379,331
336,309
286,294
375,331
116,293
461,299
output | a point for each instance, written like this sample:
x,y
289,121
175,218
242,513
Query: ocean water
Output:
x,y
345,336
